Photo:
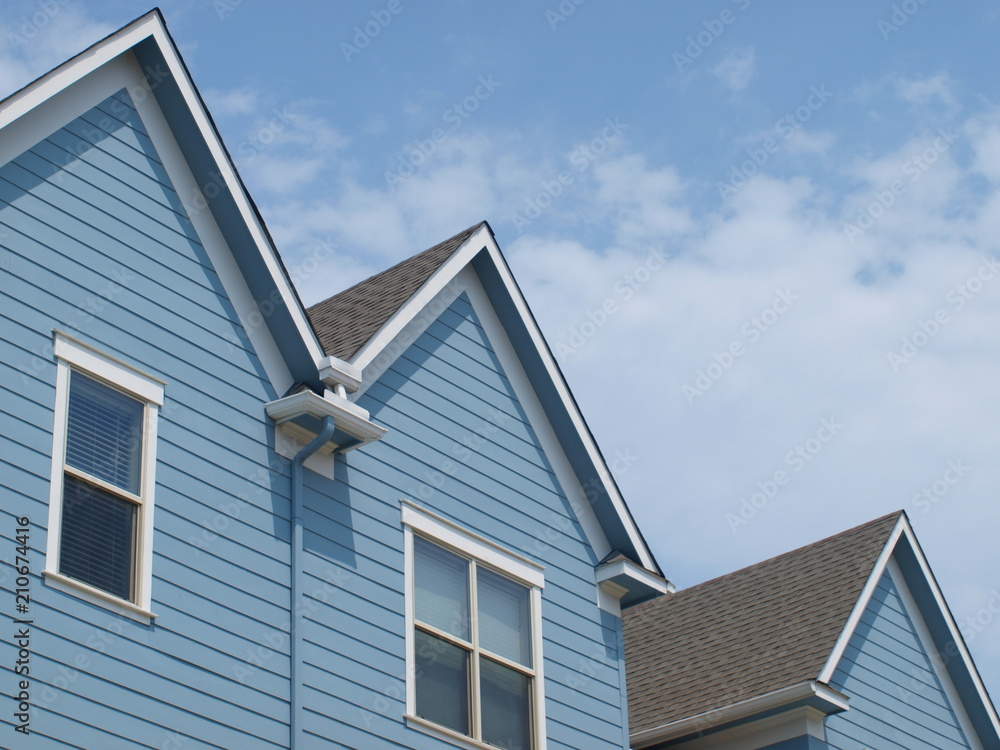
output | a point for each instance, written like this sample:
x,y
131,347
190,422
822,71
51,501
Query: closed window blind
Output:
x,y
104,436
103,442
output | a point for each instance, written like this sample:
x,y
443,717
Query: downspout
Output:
x,y
297,574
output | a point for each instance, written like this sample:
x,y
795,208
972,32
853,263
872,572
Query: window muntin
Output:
x,y
473,633
104,457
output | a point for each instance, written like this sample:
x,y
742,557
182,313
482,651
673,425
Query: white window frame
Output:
x,y
440,531
74,355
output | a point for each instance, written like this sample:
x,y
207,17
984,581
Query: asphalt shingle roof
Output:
x,y
345,322
770,626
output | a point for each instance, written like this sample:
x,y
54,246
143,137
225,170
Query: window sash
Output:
x,y
474,648
122,482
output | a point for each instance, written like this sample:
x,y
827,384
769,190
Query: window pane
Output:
x,y
442,588
504,617
104,436
97,538
506,706
442,682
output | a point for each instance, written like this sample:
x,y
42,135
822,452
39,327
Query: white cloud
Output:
x,y
737,68
37,39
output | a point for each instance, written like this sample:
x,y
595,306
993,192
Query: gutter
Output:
x,y
811,693
327,424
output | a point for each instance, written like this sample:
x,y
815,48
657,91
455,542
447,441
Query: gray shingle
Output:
x,y
345,322
748,633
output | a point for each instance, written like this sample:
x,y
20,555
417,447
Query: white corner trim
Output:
x,y
862,604
834,702
927,641
349,417
481,548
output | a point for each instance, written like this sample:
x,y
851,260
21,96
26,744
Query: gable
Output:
x,y
461,444
462,413
899,698
398,305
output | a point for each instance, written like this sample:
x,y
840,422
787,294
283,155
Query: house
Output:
x,y
846,643
380,522
235,523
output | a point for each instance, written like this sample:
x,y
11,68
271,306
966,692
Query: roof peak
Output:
x,y
346,321
895,516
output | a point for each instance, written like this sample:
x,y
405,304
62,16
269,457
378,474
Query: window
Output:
x,y
474,637
101,502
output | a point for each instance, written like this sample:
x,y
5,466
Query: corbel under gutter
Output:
x,y
334,424
627,583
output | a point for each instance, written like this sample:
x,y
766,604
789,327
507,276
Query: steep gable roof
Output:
x,y
766,627
693,656
360,325
346,321
143,58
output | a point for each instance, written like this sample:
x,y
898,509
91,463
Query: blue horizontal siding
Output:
x,y
459,444
897,701
99,245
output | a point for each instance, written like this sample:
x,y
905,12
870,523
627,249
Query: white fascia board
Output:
x,y
862,604
483,240
830,700
954,633
884,563
227,171
927,641
37,94
422,297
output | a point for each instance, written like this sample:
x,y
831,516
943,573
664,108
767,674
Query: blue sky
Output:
x,y
760,237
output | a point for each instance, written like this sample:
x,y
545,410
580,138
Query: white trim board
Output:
x,y
466,281
902,529
924,636
71,89
444,285
123,72
72,355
